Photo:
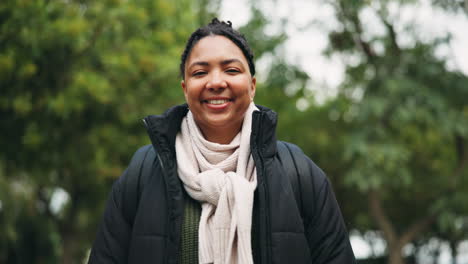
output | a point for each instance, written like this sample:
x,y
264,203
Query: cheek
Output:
x,y
191,93
249,90
243,85
186,95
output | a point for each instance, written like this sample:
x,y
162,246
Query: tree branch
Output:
x,y
377,211
364,46
422,224
392,34
417,228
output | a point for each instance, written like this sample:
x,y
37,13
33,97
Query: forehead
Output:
x,y
215,48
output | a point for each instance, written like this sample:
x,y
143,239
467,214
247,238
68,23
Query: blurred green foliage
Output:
x,y
76,77
406,144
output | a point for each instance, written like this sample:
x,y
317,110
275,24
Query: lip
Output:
x,y
217,106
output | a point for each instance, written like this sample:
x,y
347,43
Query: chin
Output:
x,y
218,123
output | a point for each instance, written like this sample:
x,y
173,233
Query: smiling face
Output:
x,y
218,87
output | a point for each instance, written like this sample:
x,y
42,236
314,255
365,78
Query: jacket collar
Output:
x,y
263,135
162,129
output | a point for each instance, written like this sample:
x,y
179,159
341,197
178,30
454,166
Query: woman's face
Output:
x,y
218,86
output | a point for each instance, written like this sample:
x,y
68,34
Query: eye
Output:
x,y
199,73
232,70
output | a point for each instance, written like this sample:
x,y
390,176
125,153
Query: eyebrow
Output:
x,y
223,62
201,63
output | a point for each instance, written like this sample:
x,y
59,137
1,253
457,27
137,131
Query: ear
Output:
x,y
253,88
184,88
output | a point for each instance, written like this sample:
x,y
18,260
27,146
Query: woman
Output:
x,y
213,187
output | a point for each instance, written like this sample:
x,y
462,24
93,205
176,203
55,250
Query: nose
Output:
x,y
216,81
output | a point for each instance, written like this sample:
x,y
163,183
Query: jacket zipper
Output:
x,y
164,175
266,245
168,220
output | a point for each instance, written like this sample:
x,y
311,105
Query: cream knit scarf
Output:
x,y
223,178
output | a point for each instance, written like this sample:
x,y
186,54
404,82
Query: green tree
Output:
x,y
407,146
76,77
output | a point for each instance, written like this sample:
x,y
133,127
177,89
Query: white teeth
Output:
x,y
217,101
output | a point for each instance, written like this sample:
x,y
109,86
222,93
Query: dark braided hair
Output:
x,y
219,28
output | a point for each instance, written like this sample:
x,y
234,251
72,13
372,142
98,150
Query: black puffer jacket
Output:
x,y
319,236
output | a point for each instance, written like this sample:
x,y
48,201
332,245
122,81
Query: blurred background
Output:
x,y
375,92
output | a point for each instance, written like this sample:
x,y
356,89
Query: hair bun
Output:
x,y
216,21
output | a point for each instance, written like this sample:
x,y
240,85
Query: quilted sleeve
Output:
x,y
112,240
323,223
325,229
111,243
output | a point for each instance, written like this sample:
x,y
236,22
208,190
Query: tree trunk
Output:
x,y
394,240
437,254
453,251
69,249
395,257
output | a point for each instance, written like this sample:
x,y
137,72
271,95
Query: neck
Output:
x,y
221,135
